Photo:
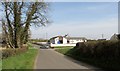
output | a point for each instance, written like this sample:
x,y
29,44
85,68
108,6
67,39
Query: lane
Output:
x,y
50,59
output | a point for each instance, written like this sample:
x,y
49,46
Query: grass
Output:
x,y
30,45
63,50
21,61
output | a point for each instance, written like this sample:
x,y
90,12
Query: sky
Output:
x,y
80,19
63,0
81,0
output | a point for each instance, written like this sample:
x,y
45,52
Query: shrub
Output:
x,y
103,54
97,49
11,52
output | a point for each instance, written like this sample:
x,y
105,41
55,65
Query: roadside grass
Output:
x,y
21,61
30,46
63,50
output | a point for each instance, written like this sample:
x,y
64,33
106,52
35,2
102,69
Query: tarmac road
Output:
x,y
50,59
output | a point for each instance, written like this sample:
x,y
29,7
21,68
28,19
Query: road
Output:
x,y
50,59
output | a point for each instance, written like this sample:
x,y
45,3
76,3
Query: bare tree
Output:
x,y
19,16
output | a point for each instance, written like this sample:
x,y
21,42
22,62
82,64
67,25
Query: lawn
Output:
x,y
21,61
63,50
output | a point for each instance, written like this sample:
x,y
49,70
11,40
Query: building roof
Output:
x,y
69,37
55,37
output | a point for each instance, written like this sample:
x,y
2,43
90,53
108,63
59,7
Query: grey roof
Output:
x,y
55,37
70,37
76,38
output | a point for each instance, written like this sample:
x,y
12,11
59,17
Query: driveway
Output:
x,y
50,59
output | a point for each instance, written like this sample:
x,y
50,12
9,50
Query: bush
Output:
x,y
11,52
103,54
97,49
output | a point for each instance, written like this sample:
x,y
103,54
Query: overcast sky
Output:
x,y
80,19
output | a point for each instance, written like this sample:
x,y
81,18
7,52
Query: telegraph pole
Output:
x,y
102,36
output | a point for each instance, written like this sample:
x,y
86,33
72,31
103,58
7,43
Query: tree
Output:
x,y
19,16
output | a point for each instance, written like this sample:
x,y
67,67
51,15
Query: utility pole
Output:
x,y
102,36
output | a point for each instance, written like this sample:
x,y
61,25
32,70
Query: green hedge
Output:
x,y
104,54
11,52
103,49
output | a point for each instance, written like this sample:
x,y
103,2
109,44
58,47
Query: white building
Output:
x,y
58,40
66,41
115,37
74,40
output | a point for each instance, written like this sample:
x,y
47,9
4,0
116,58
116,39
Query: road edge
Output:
x,y
34,67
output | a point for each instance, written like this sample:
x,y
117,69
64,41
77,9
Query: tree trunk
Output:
x,y
15,24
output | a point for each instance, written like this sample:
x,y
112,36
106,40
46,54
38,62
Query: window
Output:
x,y
68,41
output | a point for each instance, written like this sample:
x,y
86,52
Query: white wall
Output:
x,y
76,40
64,40
71,41
56,40
42,42
57,45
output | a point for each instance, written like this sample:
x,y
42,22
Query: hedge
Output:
x,y
11,52
99,49
104,54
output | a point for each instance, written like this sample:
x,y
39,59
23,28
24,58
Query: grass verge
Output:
x,y
20,61
63,50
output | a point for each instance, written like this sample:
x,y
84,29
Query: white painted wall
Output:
x,y
42,42
56,40
71,41
74,41
57,45
64,40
